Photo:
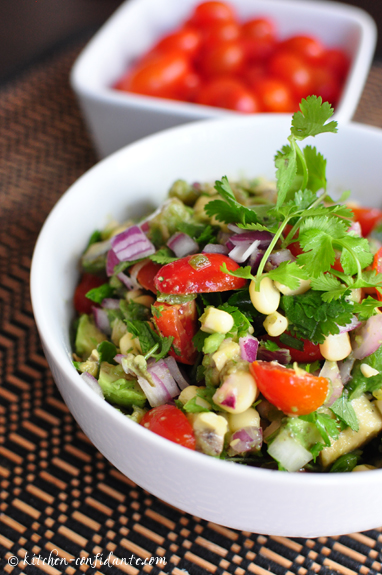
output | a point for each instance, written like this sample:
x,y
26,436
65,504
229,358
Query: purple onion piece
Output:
x,y
176,372
101,320
331,372
367,338
119,357
264,238
240,253
246,440
281,355
92,383
345,368
162,377
111,261
132,244
353,324
182,245
276,258
110,303
248,348
125,280
235,229
215,249
255,259
355,227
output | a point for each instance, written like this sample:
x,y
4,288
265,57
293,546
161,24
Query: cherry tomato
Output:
x,y
337,61
146,274
368,218
326,85
200,273
291,68
88,281
377,266
221,32
187,41
190,87
169,422
337,264
307,47
293,393
222,58
257,50
259,29
208,13
161,75
274,95
228,93
309,354
179,321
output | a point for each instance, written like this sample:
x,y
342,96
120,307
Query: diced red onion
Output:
x,y
119,357
229,401
235,229
92,383
276,258
134,271
111,261
215,249
345,368
110,303
101,320
242,252
176,373
353,324
255,259
280,355
164,388
246,440
355,227
248,348
331,371
182,245
125,280
263,237
132,244
367,338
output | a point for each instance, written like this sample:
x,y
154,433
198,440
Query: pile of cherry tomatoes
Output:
x,y
215,60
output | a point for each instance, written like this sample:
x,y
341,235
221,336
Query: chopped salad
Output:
x,y
241,319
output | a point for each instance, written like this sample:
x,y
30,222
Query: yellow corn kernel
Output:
x,y
275,324
146,300
133,294
336,347
238,392
248,418
216,321
368,371
267,299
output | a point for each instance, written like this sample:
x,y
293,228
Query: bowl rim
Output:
x,y
107,95
52,342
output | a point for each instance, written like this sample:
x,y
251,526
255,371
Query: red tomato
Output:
x,y
274,95
309,354
169,422
221,32
368,218
259,29
160,75
146,274
88,281
308,48
190,87
222,58
257,50
291,68
187,40
200,273
228,93
377,266
292,393
337,61
326,85
208,13
179,321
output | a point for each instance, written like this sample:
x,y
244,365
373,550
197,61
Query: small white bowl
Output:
x,y
257,500
115,118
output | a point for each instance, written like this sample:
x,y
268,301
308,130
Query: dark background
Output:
x,y
30,29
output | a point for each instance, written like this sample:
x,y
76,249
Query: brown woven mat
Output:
x,y
60,500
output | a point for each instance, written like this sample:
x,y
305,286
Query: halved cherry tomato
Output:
x,y
179,321
146,275
367,217
88,281
169,422
377,266
293,393
200,273
208,13
228,93
309,354
161,75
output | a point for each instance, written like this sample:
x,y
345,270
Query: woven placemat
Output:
x,y
61,502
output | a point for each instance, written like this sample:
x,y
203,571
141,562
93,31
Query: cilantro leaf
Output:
x,y
241,323
98,294
286,169
152,344
312,118
316,165
360,249
366,308
163,256
326,426
288,273
132,310
107,352
360,384
230,210
346,462
344,410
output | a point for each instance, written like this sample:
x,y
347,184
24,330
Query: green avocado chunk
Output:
x,y
117,388
88,336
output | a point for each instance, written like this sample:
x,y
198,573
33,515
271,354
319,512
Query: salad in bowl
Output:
x,y
241,319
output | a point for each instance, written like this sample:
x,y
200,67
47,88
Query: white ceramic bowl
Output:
x,y
257,500
115,118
